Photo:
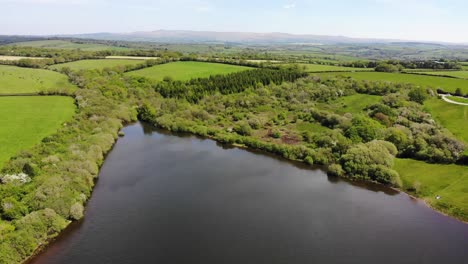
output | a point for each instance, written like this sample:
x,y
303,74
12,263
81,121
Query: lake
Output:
x,y
163,198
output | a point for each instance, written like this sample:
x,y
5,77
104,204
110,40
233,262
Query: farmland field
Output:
x,y
447,84
94,64
450,182
132,58
17,58
455,74
186,70
451,116
26,120
15,80
62,44
331,68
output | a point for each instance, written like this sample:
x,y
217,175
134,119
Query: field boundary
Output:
x,y
20,94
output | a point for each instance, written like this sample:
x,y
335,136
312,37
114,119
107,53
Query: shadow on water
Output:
x,y
149,129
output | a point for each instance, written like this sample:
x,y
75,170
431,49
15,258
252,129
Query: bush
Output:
x,y
335,170
243,129
418,95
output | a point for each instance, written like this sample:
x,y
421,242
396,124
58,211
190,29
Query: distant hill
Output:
x,y
185,36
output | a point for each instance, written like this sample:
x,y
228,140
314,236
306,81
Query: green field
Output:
x,y
354,104
62,44
95,64
455,74
450,182
26,120
186,70
458,99
451,116
331,68
16,80
447,84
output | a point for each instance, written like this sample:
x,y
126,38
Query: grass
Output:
x,y
26,120
353,104
186,70
16,80
62,44
447,84
458,99
451,116
17,58
455,74
331,68
95,64
450,182
132,58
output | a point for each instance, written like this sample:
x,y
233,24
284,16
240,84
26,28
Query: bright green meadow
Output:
x,y
95,64
16,80
26,120
186,70
447,84
331,68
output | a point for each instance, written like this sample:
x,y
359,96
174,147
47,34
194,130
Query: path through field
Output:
x,y
444,97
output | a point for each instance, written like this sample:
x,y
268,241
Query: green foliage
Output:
x,y
386,67
418,95
364,129
372,161
243,129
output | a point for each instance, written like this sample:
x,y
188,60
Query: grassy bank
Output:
x,y
428,181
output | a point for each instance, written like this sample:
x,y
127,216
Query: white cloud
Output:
x,y
290,5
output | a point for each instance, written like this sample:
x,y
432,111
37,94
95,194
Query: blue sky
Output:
x,y
440,20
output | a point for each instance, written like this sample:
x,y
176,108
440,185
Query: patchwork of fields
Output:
x,y
95,64
186,70
15,80
26,120
62,44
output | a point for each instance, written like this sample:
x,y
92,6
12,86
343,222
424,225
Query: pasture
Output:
x,y
451,116
62,44
26,120
132,58
94,64
331,68
447,84
455,74
450,182
16,80
186,70
17,58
